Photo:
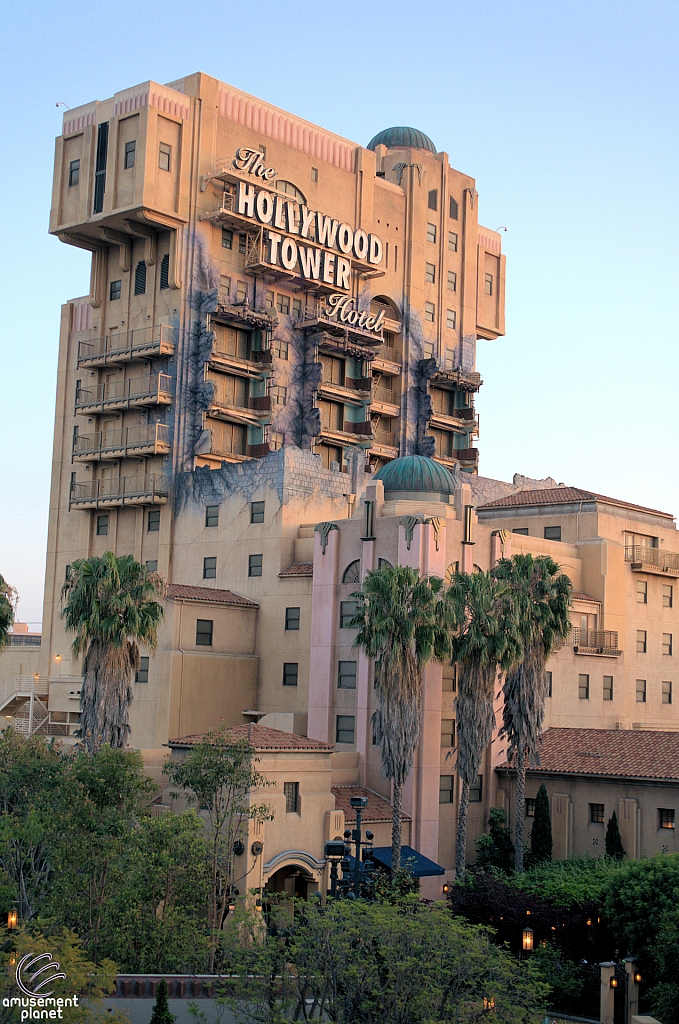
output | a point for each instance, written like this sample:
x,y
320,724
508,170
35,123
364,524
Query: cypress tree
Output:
x,y
161,1011
614,847
541,834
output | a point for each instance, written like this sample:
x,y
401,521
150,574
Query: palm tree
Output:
x,y
484,643
401,625
110,606
7,594
541,596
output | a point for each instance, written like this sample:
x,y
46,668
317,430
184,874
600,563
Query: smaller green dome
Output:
x,y
418,474
395,137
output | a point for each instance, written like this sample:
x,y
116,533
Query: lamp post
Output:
x,y
527,940
334,851
359,803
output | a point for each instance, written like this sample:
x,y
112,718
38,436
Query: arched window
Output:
x,y
451,570
352,573
381,302
382,563
290,190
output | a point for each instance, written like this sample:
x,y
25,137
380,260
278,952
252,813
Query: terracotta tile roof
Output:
x,y
624,753
262,738
578,595
378,808
562,496
297,569
180,592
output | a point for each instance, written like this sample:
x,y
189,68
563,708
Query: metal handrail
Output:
x,y
123,390
124,437
596,639
25,686
120,487
644,554
125,342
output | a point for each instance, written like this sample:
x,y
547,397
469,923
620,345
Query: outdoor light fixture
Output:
x,y
488,1004
637,977
613,982
589,921
258,904
12,920
446,886
528,939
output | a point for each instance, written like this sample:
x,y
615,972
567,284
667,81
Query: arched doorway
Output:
x,y
292,880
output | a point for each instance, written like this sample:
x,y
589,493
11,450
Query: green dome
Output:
x,y
415,473
410,137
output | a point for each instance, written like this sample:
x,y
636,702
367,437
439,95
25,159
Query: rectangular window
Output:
x,y
642,592
140,278
596,813
454,209
447,733
73,173
642,641
276,440
476,792
115,290
345,726
314,173
227,239
667,595
212,515
257,511
291,791
446,789
451,319
102,526
225,286
100,168
152,565
488,284
665,817
521,530
429,312
292,618
583,687
452,281
552,533
530,808
255,565
347,612
433,199
242,244
204,632
142,675
290,673
164,156
448,682
268,300
130,150
165,272
548,681
280,348
241,291
667,691
153,521
641,691
667,643
279,394
430,273
452,241
297,308
346,675
283,303
431,232
210,568
608,687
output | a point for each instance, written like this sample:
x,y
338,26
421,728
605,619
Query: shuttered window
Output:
x,y
140,278
165,272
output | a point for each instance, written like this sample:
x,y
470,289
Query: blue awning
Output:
x,y
418,865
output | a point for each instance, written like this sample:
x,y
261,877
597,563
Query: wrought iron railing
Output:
x,y
145,340
125,391
140,436
593,639
150,485
644,554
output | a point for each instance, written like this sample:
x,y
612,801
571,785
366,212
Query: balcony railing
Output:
x,y
600,641
155,389
642,555
385,438
467,454
25,640
145,343
147,439
381,394
149,489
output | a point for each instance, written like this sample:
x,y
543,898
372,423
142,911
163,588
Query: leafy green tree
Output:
x,y
541,596
110,605
484,643
614,847
219,774
495,849
663,957
161,1010
580,881
401,625
541,833
637,897
7,597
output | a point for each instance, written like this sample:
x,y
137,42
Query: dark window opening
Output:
x,y
596,814
153,521
454,209
255,565
476,791
73,173
130,150
433,199
142,675
346,675
347,612
345,727
291,791
102,526
290,673
115,290
552,533
204,632
209,568
292,618
446,789
100,168
165,272
212,515
140,278
257,511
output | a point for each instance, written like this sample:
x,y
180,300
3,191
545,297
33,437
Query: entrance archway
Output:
x,y
292,880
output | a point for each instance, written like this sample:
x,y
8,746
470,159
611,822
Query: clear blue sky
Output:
x,y
564,112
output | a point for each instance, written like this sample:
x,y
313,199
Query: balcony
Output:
x,y
644,558
113,349
245,316
149,489
126,442
125,394
594,641
467,456
457,379
360,434
316,318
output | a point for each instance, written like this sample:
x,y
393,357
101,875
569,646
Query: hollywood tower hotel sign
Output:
x,y
290,227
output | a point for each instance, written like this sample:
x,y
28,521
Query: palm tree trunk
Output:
x,y
461,848
396,828
520,811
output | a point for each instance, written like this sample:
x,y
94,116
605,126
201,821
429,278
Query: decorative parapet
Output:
x,y
324,530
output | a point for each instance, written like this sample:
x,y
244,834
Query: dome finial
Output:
x,y
411,138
